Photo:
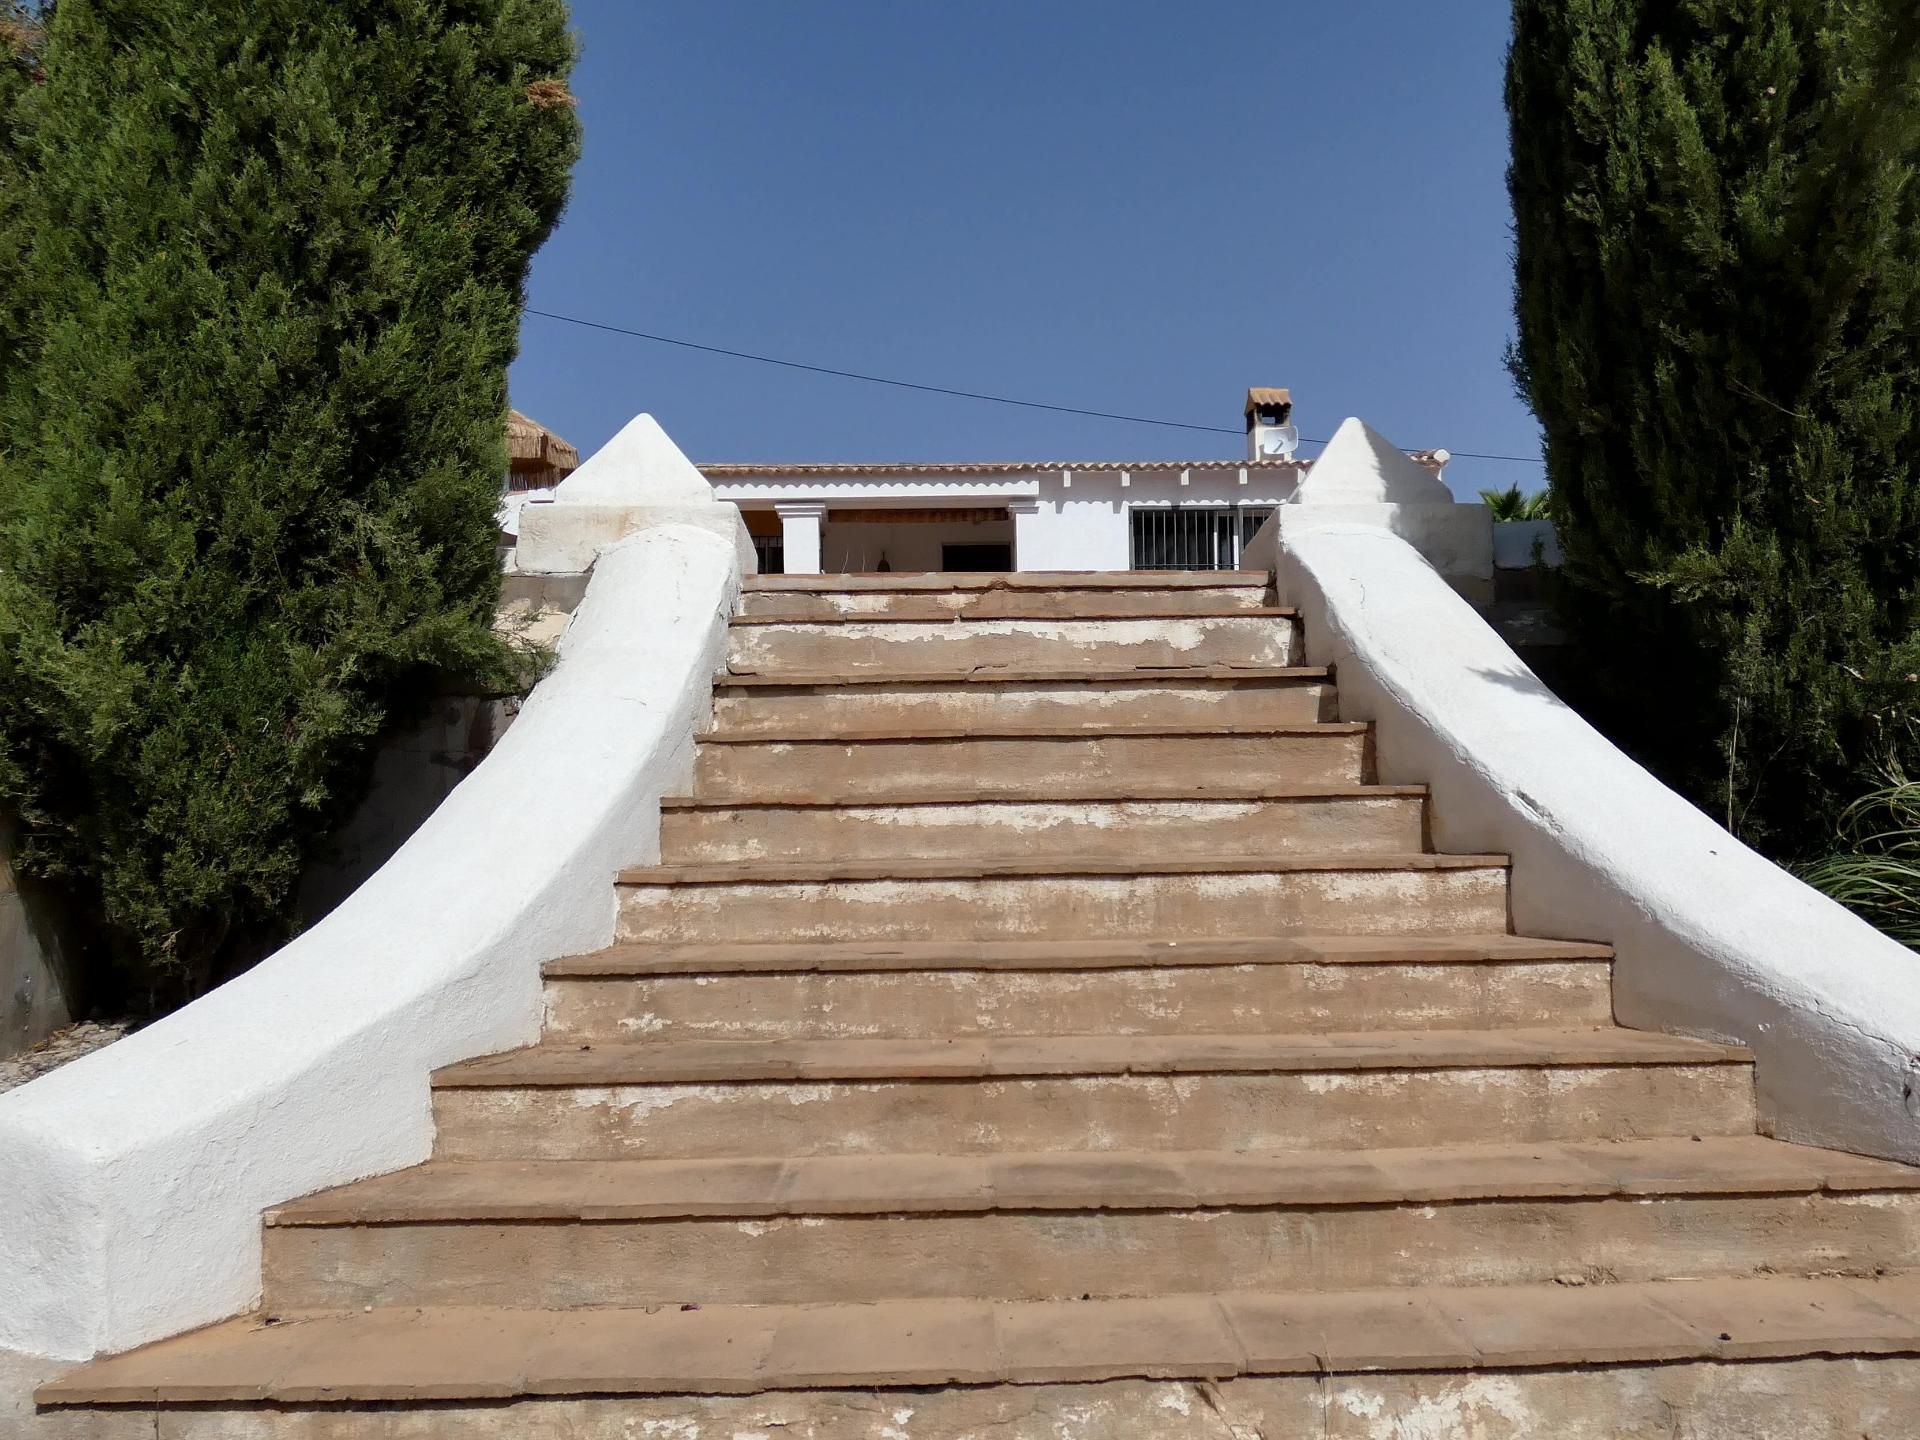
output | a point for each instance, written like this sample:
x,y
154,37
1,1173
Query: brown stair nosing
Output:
x,y
1033,730
425,1355
586,1191
861,956
692,1062
801,872
1038,613
1145,675
1120,790
1043,581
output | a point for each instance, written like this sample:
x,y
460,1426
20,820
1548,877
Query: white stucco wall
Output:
x,y
1518,543
131,1182
1712,940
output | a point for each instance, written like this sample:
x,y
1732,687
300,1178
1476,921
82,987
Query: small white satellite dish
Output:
x,y
1279,441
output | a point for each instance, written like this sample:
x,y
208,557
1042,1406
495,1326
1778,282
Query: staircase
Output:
x,y
1042,1025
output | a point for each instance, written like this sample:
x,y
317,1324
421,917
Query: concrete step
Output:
x,y
1111,822
1025,761
1050,1226
966,699
568,1100
1765,1359
1064,898
988,596
1266,637
934,990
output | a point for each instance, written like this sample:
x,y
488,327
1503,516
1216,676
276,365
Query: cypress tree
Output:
x,y
259,288
1718,292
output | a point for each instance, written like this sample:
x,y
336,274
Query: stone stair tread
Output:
x,y
1013,675
1017,580
1038,611
854,956
748,1061
801,872
429,1354
1120,790
1026,730
591,1191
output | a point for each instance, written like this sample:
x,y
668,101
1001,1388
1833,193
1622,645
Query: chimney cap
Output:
x,y
1267,398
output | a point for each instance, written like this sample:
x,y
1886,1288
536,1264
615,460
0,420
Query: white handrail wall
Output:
x,y
132,1181
1712,939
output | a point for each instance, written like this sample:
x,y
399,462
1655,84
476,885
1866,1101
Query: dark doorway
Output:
x,y
976,558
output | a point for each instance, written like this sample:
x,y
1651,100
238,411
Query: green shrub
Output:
x,y
261,272
1718,294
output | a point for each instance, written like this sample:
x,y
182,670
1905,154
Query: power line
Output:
x,y
936,389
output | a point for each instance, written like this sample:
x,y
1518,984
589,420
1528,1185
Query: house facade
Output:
x,y
1054,516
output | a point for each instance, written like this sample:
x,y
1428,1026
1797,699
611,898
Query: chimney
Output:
x,y
1270,432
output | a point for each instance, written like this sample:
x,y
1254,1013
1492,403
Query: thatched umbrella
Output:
x,y
539,458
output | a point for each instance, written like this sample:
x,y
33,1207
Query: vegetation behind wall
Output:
x,y
1718,293
261,270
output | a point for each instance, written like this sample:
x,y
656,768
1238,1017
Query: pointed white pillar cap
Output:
x,y
1360,466
637,481
639,466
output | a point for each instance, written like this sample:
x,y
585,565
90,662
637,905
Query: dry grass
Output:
x,y
551,95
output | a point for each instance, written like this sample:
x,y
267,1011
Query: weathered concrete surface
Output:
x,y
1328,1109
20,1374
1155,1000
1212,828
1067,907
1202,697
1804,1399
1031,767
904,646
1050,1255
803,607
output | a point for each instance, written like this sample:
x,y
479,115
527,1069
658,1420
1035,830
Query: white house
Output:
x,y
1048,515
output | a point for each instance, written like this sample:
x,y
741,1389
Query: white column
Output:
x,y
800,524
1028,546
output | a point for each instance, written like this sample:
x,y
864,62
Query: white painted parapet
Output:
x,y
1712,939
1361,478
637,480
132,1181
1520,544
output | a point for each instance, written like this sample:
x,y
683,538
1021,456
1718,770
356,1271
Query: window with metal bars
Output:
x,y
772,550
1194,537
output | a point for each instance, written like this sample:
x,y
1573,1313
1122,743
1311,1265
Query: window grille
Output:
x,y
772,550
1194,537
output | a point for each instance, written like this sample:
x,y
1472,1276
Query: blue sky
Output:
x,y
1123,206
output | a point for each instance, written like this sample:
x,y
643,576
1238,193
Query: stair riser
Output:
x,y
1043,1256
1163,1000
1073,907
1164,829
753,711
800,607
1799,1399
1273,1111
944,645
1022,768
